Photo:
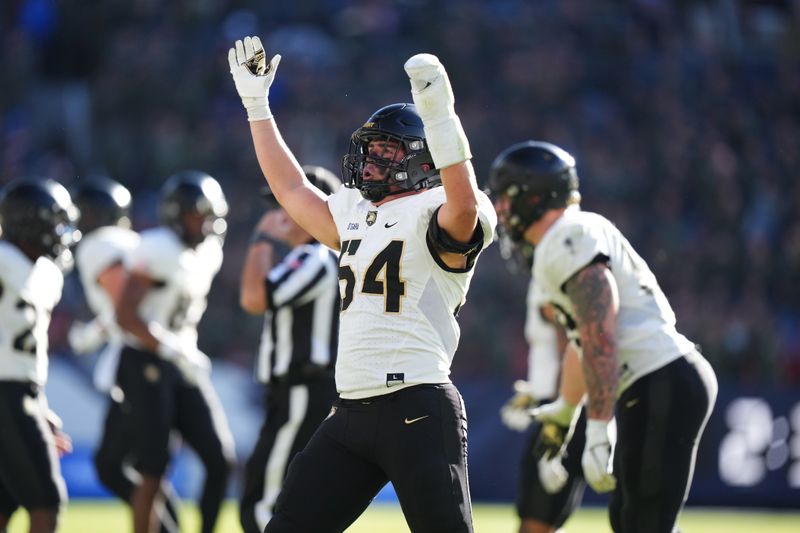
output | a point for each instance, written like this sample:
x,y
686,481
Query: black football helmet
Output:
x,y
535,176
398,123
192,191
40,215
102,202
322,178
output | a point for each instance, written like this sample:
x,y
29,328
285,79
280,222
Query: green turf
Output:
x,y
110,517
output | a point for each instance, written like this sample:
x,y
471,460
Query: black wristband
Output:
x,y
260,236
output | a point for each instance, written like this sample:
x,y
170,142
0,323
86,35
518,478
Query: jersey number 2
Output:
x,y
382,276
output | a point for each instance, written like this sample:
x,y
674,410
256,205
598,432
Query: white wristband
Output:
x,y
257,108
447,142
596,432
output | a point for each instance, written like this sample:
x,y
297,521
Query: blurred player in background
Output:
x,y
100,258
548,491
407,251
299,296
164,376
634,361
37,219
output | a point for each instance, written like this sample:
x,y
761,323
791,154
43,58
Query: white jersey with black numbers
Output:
x,y
28,293
646,336
181,278
544,361
98,251
399,300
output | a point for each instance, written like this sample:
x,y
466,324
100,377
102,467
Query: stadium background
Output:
x,y
684,117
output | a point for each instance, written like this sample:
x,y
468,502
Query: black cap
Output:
x,y
322,178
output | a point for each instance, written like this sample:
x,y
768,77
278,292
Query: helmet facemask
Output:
x,y
409,167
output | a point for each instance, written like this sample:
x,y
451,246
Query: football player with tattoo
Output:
x,y
299,298
163,375
107,241
635,364
409,225
37,220
551,482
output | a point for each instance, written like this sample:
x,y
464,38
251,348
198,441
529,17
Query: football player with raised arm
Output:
x,y
37,220
409,225
163,375
298,295
551,482
635,364
107,241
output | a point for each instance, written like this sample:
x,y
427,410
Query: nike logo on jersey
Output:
x,y
412,420
631,403
387,225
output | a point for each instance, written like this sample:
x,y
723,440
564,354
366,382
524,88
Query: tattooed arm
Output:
x,y
595,300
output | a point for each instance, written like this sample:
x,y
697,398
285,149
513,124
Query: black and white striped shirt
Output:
x,y
302,324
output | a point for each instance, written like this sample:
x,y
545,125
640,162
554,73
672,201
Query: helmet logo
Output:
x,y
372,216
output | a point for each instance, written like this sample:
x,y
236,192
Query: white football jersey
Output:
x,y
28,293
99,250
646,336
544,361
182,279
397,326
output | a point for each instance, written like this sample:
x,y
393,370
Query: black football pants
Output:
x,y
533,501
113,453
162,400
30,472
416,438
660,419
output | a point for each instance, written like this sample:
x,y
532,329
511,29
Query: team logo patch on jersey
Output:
x,y
372,216
396,378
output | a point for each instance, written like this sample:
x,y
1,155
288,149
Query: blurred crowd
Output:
x,y
683,116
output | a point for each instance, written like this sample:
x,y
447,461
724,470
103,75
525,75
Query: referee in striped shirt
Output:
x,y
299,297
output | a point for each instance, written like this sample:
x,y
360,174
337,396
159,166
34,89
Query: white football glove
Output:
x,y
596,459
433,96
552,474
515,413
87,337
558,421
559,412
253,76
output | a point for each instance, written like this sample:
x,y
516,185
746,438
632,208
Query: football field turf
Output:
x,y
111,517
